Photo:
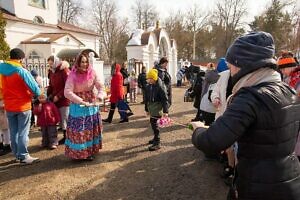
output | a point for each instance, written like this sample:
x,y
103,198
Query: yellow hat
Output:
x,y
153,74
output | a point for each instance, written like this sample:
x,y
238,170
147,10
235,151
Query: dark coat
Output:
x,y
142,80
57,81
264,120
156,94
197,88
125,75
165,77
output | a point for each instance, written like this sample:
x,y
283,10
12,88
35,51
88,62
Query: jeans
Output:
x,y
19,124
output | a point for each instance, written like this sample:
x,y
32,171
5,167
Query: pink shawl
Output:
x,y
82,77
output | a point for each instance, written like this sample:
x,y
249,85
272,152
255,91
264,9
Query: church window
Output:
x,y
38,20
37,3
33,55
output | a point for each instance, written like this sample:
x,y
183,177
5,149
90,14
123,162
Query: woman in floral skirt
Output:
x,y
84,129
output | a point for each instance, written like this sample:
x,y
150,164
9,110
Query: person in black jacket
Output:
x,y
142,82
196,92
165,77
125,75
156,105
263,117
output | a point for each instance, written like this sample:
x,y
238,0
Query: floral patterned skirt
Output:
x,y
84,129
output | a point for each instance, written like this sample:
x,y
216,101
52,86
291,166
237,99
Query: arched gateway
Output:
x,y
148,46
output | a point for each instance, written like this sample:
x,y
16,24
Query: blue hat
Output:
x,y
34,73
222,65
250,52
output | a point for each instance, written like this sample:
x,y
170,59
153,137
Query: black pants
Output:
x,y
199,115
179,83
32,119
122,113
144,93
153,122
208,118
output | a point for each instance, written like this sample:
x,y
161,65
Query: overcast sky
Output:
x,y
165,7
168,6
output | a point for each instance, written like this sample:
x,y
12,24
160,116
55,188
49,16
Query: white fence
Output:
x,y
40,65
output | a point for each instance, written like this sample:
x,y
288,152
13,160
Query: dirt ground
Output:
x,y
124,168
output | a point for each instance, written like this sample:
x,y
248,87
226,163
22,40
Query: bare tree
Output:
x,y
144,13
196,19
295,43
111,30
69,10
229,15
174,25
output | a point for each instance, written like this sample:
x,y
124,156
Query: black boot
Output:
x,y
151,141
110,116
6,149
129,114
155,146
228,171
62,141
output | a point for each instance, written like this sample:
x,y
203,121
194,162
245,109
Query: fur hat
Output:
x,y
16,54
152,74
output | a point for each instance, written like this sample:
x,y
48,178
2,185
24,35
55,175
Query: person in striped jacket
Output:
x,y
18,87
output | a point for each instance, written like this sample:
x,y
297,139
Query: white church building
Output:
x,y
33,26
148,46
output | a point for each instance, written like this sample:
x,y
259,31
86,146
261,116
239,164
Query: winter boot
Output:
x,y
62,141
6,149
155,146
110,116
151,141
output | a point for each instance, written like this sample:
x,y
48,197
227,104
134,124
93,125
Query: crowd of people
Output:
x,y
70,103
258,123
248,110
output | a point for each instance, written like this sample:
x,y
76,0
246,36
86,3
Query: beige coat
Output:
x,y
3,118
219,91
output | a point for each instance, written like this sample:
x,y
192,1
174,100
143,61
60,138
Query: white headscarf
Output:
x,y
56,63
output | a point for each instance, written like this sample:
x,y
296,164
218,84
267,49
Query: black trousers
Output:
x,y
153,122
208,118
144,93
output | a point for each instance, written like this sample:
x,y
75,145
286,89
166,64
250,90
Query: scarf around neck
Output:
x,y
254,78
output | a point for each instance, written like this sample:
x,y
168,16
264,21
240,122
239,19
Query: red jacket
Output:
x,y
57,81
116,86
48,115
295,78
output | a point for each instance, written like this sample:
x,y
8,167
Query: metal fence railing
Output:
x,y
40,65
